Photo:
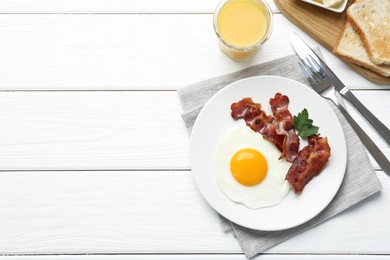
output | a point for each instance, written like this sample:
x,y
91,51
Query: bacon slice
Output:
x,y
309,162
278,129
257,120
284,126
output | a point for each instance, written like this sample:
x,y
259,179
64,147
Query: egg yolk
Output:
x,y
248,166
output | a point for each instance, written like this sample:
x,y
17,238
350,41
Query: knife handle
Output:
x,y
378,125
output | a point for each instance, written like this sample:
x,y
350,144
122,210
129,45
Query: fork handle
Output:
x,y
366,140
378,125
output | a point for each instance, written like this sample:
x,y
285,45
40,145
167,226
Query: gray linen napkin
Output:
x,y
360,180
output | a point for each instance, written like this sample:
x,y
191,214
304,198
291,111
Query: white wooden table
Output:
x,y
94,156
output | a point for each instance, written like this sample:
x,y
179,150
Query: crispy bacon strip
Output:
x,y
284,125
257,120
278,129
309,162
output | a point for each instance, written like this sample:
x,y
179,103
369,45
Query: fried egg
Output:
x,y
248,169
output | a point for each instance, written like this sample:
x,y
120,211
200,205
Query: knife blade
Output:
x,y
303,51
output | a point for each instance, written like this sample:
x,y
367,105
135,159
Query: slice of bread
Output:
x,y
350,47
371,19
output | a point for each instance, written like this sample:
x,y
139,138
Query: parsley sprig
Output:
x,y
304,125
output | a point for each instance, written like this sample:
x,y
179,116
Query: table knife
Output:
x,y
304,51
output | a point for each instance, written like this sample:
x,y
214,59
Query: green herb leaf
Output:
x,y
304,125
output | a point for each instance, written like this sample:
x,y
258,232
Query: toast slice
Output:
x,y
371,20
350,47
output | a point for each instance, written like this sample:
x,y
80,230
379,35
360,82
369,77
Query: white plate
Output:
x,y
215,119
337,8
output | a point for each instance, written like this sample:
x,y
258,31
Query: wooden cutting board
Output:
x,y
324,26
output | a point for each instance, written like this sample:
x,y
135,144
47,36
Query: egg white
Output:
x,y
272,190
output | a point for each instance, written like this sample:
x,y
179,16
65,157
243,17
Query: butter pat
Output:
x,y
329,3
337,6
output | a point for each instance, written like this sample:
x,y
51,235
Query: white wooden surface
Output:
x,y
112,6
94,157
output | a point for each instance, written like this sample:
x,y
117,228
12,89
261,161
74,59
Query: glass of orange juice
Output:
x,y
242,26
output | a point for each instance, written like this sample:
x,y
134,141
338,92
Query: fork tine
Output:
x,y
312,64
310,68
306,71
317,66
316,80
303,68
315,73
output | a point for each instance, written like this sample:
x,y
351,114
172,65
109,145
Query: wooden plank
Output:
x,y
92,130
112,6
151,212
195,257
109,130
91,52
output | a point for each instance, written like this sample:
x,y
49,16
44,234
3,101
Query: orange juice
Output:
x,y
242,26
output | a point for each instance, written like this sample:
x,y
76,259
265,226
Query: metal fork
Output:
x,y
322,85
